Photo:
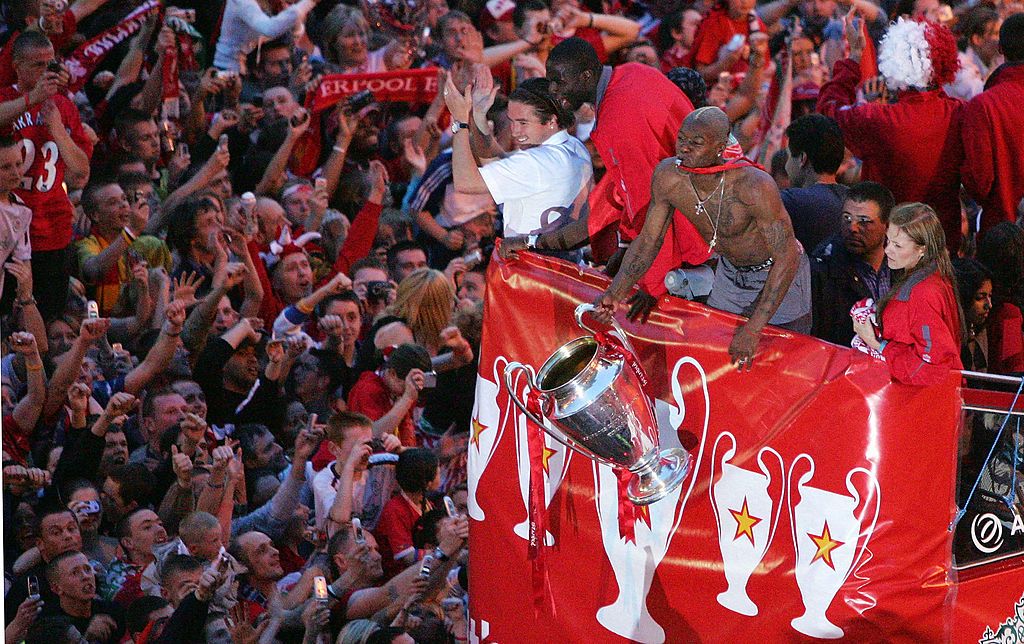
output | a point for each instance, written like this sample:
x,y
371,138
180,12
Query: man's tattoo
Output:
x,y
393,593
775,235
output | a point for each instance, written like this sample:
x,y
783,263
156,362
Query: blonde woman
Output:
x,y
920,316
345,45
426,301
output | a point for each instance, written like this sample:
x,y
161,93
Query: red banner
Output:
x,y
818,505
83,61
407,85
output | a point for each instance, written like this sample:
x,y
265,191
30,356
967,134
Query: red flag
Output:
x,y
868,57
410,85
90,54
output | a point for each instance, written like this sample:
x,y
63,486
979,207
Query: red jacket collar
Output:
x,y
1006,73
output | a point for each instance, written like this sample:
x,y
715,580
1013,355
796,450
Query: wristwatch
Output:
x,y
458,125
531,241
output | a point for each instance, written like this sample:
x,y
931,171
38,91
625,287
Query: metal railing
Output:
x,y
992,378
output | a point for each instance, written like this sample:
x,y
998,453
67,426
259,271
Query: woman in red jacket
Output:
x,y
920,315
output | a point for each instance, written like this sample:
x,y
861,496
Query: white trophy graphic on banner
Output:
x,y
746,524
830,539
487,428
635,561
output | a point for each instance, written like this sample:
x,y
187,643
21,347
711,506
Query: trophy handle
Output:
x,y
714,460
782,476
878,506
788,492
583,309
510,371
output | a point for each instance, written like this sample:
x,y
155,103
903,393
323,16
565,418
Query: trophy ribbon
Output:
x,y
616,349
541,583
629,512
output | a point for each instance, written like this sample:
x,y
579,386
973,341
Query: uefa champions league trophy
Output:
x,y
591,392
829,544
743,514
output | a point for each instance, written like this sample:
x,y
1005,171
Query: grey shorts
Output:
x,y
736,291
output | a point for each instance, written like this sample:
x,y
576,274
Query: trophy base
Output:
x,y
656,481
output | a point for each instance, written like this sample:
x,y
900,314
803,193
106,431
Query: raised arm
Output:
x,y
160,356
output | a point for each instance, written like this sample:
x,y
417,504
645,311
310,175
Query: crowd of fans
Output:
x,y
240,331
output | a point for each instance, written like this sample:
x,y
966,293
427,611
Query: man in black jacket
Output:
x,y
851,266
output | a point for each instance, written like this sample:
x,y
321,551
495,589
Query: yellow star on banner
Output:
x,y
545,457
478,428
825,544
744,522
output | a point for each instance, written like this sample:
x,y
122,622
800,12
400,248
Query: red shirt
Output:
x,y
993,138
714,31
912,147
394,531
921,330
370,396
1005,339
42,187
638,118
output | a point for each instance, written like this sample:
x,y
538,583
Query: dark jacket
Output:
x,y
835,287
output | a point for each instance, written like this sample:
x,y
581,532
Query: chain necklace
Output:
x,y
700,208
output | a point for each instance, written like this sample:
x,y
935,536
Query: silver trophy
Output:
x,y
590,396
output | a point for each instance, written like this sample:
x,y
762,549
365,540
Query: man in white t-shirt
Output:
x,y
541,187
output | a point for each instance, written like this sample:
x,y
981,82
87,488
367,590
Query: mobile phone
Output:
x,y
449,507
357,531
54,66
222,143
33,586
312,422
735,42
298,117
429,380
472,258
134,258
452,603
116,347
359,100
320,184
320,588
426,566
92,310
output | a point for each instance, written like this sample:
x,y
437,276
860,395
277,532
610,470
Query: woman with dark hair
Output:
x,y
1001,250
545,183
921,322
417,474
974,286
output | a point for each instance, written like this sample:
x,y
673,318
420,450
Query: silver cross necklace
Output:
x,y
700,208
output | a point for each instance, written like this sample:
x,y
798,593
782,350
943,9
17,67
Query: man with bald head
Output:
x,y
737,209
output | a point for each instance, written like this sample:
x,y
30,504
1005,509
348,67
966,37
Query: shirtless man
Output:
x,y
738,211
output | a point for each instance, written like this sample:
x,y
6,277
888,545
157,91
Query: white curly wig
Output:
x,y
917,54
904,56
